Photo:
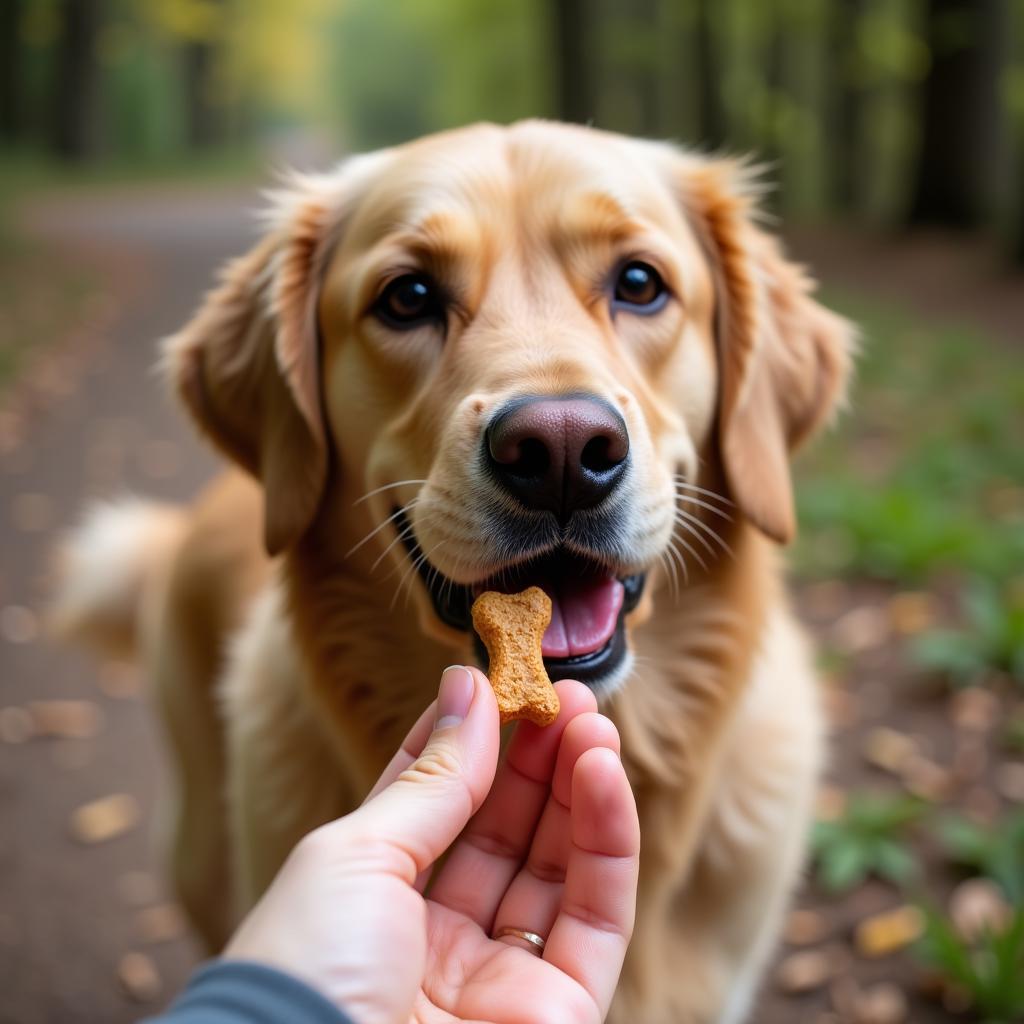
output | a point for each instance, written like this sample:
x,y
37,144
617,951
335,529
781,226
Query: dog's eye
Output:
x,y
410,301
640,287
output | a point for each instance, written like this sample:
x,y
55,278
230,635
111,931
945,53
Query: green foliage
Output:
x,y
997,851
992,641
1013,731
923,478
989,971
868,838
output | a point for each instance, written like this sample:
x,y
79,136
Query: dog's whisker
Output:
x,y
693,551
410,571
681,481
424,557
403,535
670,574
408,532
686,526
373,533
712,533
677,555
385,487
704,504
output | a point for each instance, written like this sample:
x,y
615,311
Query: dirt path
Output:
x,y
69,912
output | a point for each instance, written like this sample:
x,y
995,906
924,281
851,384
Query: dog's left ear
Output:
x,y
784,359
247,365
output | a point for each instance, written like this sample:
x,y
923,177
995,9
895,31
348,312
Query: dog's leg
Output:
x,y
184,671
284,776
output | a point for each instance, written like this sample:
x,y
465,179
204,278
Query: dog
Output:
x,y
494,357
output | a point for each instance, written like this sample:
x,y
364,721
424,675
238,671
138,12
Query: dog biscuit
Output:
x,y
511,627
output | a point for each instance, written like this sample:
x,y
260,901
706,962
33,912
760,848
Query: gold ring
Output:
x,y
531,937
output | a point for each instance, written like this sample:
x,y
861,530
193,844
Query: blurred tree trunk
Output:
x,y
11,97
961,112
203,126
844,29
711,110
75,92
574,87
643,20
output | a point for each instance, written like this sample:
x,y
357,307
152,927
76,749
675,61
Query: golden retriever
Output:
x,y
492,357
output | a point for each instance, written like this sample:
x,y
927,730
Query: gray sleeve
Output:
x,y
241,992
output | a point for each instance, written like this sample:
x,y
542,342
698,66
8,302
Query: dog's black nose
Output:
x,y
558,453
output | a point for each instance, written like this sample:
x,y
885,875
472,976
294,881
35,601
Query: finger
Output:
x,y
490,851
535,894
412,821
589,937
411,748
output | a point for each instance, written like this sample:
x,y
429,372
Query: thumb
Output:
x,y
423,811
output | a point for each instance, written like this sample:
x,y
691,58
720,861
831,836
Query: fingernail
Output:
x,y
454,696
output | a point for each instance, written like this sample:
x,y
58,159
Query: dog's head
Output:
x,y
502,356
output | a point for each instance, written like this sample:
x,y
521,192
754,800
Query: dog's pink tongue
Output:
x,y
584,613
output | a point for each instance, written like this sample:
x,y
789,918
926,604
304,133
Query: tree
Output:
x,y
75,85
844,27
203,126
11,98
960,120
574,93
711,110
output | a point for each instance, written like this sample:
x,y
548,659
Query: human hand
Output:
x,y
551,848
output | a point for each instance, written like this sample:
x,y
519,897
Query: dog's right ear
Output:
x,y
247,366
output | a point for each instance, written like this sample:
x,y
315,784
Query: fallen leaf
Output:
x,y
104,819
804,927
806,971
139,977
16,725
887,749
889,931
66,719
160,923
977,906
883,1003
925,779
974,709
119,679
1010,781
911,612
861,629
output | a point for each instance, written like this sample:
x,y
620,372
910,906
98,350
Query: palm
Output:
x,y
472,977
553,843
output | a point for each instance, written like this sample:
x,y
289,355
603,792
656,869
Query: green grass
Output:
x,y
993,640
995,851
988,971
925,473
868,838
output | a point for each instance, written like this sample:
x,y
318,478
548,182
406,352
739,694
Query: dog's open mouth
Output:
x,y
586,638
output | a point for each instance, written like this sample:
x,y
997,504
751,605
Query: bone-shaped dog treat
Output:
x,y
511,627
